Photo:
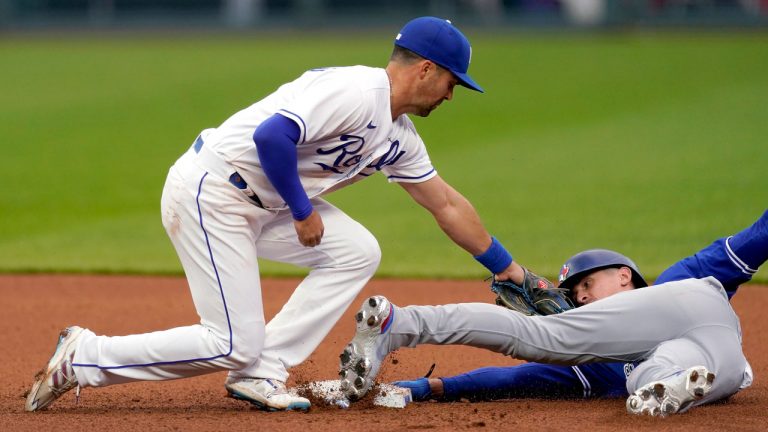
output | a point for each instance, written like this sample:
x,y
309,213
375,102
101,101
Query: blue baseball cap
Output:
x,y
439,41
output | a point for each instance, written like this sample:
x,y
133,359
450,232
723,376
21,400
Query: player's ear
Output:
x,y
625,277
425,67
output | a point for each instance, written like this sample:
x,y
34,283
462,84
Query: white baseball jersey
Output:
x,y
347,133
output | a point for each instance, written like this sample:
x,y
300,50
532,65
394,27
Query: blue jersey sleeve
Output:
x,y
275,140
731,260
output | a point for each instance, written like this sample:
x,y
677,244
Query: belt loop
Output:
x,y
213,163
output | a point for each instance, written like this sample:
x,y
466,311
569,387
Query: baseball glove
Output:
x,y
537,296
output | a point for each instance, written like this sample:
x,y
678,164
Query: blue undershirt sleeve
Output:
x,y
731,260
276,140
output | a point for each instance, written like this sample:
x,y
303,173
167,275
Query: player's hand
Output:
x,y
513,273
534,296
310,230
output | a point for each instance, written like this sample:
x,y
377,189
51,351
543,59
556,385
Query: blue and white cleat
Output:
x,y
671,395
58,377
266,394
361,359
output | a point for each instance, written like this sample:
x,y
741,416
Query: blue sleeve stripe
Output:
x,y
736,260
303,125
412,178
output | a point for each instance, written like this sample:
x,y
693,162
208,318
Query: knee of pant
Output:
x,y
366,253
728,380
245,350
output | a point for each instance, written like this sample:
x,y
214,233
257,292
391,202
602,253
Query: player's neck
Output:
x,y
394,110
400,90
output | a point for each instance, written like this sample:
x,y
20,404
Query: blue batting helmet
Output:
x,y
590,261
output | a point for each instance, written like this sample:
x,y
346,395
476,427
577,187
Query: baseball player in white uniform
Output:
x,y
252,188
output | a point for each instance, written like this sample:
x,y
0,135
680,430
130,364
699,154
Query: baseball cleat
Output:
x,y
266,394
57,377
672,395
361,359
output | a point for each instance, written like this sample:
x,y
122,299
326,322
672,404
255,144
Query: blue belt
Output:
x,y
236,179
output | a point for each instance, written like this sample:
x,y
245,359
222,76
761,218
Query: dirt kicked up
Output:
x,y
36,307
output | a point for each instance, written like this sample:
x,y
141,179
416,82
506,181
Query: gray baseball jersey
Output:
x,y
668,328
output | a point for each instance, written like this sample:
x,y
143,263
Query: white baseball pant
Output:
x,y
218,234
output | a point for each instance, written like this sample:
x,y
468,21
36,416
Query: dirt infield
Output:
x,y
35,308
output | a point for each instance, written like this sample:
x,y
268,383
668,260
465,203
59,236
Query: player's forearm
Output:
x,y
459,220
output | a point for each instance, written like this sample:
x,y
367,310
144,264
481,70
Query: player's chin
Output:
x,y
426,111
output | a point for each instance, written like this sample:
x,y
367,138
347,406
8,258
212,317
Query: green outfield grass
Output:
x,y
651,144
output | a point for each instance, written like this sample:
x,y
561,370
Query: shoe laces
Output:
x,y
64,378
278,388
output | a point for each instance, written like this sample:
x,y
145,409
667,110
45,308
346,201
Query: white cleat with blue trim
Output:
x,y
671,395
57,377
266,394
361,359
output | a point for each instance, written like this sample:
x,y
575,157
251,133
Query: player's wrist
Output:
x,y
496,258
436,388
303,212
